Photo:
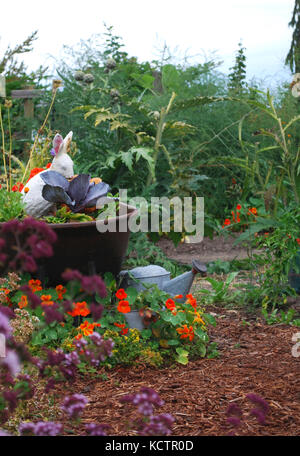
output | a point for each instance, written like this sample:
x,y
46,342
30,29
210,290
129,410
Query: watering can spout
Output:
x,y
152,274
183,283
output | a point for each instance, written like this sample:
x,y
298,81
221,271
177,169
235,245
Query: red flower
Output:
x,y
35,285
191,300
124,331
34,171
123,306
121,294
227,222
252,210
186,332
239,207
298,240
170,304
18,187
120,325
60,290
46,300
80,308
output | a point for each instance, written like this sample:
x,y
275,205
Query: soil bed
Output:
x,y
218,248
254,358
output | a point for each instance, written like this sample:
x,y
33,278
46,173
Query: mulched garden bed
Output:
x,y
254,358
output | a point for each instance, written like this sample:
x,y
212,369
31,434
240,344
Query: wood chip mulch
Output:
x,y
254,358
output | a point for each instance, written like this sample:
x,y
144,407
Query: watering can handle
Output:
x,y
199,267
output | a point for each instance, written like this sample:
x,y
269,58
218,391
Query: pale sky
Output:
x,y
195,27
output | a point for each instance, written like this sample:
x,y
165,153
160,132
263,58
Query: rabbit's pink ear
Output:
x,y
57,141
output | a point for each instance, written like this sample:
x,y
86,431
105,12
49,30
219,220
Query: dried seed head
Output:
x,y
114,93
88,78
79,75
111,64
56,83
8,104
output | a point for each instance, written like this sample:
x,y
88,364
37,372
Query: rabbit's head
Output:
x,y
62,162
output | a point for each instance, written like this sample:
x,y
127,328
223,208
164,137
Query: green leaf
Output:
x,y
260,225
201,349
127,159
170,78
182,357
145,80
52,334
201,334
132,294
208,318
145,153
198,101
146,333
173,342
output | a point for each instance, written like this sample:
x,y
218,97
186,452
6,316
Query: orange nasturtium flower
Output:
x,y
198,318
122,327
35,285
186,332
121,294
46,300
60,292
79,309
23,302
18,187
33,172
252,210
170,304
88,328
6,291
123,306
191,300
178,296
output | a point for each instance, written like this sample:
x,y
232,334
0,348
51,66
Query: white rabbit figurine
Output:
x,y
35,204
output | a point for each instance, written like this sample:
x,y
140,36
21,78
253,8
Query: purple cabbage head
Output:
x,y
77,194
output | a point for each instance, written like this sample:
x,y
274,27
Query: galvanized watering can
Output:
x,y
153,274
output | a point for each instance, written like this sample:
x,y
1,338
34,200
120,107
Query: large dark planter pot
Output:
x,y
81,246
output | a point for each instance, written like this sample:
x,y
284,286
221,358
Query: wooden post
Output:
x,y
28,105
28,94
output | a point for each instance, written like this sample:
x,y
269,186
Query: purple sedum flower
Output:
x,y
146,399
11,362
4,433
234,421
158,425
259,402
259,415
74,405
94,429
42,428
5,327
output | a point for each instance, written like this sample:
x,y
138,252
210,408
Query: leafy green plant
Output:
x,y
220,290
11,205
284,318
